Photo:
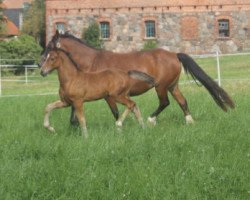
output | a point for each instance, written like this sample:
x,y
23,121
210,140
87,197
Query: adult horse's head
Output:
x,y
52,45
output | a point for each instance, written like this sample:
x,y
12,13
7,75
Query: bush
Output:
x,y
150,44
91,35
23,47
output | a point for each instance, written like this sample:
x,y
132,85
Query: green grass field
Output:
x,y
207,160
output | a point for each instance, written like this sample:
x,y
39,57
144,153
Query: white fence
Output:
x,y
28,78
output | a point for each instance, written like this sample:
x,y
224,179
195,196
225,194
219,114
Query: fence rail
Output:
x,y
28,78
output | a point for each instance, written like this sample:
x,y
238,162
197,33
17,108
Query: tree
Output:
x,y
34,21
150,44
92,35
2,25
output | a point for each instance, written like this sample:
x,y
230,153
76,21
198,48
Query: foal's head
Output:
x,y
52,45
51,63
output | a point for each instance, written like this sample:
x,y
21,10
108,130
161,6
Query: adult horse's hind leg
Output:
x,y
182,102
163,103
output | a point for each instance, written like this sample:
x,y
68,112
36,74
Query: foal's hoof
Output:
x,y
51,129
189,119
152,121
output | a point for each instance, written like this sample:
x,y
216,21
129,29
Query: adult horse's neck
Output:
x,y
81,53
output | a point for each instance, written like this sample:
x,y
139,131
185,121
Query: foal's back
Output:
x,y
109,82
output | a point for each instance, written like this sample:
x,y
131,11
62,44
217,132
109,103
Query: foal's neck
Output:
x,y
67,70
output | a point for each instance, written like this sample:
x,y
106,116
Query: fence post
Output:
x,y
218,67
26,74
0,79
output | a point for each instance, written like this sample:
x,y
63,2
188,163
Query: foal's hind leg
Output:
x,y
138,116
163,103
131,106
183,103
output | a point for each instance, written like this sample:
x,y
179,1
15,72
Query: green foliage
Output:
x,y
34,21
92,35
22,47
150,44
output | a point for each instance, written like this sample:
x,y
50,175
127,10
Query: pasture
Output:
x,y
207,160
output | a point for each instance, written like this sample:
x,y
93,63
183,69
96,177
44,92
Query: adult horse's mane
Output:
x,y
70,36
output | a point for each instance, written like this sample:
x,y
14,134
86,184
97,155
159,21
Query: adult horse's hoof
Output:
x,y
152,120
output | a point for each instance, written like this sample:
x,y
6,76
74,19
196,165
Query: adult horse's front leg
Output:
x,y
73,117
163,103
48,109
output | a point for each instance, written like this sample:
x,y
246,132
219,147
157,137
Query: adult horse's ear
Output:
x,y
57,33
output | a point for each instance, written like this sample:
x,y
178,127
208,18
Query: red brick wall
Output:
x,y
186,24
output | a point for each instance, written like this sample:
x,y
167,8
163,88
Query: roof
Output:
x,y
69,4
11,28
15,4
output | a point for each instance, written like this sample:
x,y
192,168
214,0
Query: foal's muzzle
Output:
x,y
42,73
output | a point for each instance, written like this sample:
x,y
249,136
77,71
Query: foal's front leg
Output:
x,y
80,116
48,109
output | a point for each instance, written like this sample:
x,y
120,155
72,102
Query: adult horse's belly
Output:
x,y
139,88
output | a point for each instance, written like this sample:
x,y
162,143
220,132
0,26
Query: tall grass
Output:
x,y
207,160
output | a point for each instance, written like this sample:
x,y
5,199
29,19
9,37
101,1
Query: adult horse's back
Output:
x,y
162,65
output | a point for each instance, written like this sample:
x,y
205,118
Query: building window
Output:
x,y
150,29
224,28
105,30
60,26
26,6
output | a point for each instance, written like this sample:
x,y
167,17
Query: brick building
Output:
x,y
191,26
14,10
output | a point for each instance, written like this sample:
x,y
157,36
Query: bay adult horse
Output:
x,y
162,65
77,87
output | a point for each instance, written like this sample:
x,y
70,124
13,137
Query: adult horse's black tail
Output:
x,y
219,95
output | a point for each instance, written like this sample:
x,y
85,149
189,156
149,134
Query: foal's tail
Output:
x,y
142,76
219,95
